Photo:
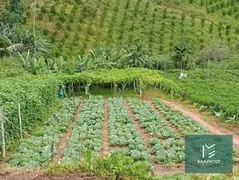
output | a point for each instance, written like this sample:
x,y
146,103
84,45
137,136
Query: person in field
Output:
x,y
61,92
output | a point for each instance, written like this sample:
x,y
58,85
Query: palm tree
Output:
x,y
182,50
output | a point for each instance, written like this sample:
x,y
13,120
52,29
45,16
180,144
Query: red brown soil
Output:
x,y
38,175
105,131
106,147
145,135
213,127
167,170
65,137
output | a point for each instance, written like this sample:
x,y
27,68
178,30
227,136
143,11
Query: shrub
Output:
x,y
216,52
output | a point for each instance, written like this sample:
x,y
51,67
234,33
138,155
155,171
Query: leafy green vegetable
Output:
x,y
87,131
36,150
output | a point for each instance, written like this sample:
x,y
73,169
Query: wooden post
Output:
x,y
134,87
141,89
20,119
2,134
87,89
115,89
73,94
171,94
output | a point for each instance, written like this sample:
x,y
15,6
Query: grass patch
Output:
x,y
115,166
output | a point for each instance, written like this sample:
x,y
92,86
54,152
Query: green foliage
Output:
x,y
148,77
87,132
185,124
153,124
100,57
35,94
169,148
182,53
123,132
216,52
116,166
36,150
15,40
136,55
14,13
53,169
10,67
215,89
152,21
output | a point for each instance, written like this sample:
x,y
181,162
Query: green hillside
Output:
x,y
75,26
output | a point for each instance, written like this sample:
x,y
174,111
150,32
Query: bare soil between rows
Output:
x,y
157,168
65,137
105,131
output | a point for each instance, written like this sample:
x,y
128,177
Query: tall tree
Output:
x,y
15,6
182,51
14,13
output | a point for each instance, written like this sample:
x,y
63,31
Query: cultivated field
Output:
x,y
146,130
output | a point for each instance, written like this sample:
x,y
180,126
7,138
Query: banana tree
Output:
x,y
25,59
99,57
34,65
135,56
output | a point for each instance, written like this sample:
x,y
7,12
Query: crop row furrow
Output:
x,y
123,131
185,124
166,146
87,131
37,149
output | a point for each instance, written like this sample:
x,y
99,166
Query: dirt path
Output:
x,y
213,128
38,175
105,131
65,137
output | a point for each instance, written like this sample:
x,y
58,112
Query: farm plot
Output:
x,y
87,131
134,128
123,132
166,144
183,123
37,149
